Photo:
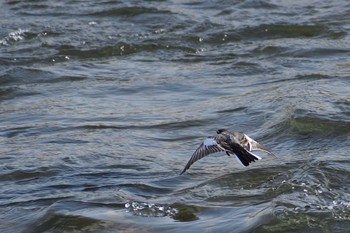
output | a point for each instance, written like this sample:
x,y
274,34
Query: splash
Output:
x,y
312,198
14,36
150,210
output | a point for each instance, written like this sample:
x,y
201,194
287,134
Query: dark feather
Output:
x,y
201,152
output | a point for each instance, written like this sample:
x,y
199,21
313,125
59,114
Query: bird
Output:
x,y
236,143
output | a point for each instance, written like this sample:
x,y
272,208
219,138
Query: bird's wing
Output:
x,y
209,146
251,145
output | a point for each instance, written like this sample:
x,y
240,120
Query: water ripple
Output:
x,y
103,103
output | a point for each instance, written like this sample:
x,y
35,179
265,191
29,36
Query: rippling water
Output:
x,y
103,103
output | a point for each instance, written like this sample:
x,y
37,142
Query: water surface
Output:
x,y
103,103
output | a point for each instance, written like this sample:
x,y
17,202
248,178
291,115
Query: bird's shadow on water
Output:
x,y
244,184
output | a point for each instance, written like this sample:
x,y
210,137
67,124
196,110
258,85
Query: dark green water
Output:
x,y
102,104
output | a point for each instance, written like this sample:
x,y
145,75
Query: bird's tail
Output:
x,y
246,157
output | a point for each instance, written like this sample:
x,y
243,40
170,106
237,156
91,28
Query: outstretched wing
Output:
x,y
250,145
209,146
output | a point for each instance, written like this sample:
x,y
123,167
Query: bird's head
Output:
x,y
219,131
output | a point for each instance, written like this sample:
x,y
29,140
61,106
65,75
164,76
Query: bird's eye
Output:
x,y
219,131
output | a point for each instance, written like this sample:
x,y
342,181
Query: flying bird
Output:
x,y
230,142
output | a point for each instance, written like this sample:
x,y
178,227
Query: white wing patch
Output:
x,y
210,145
209,142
